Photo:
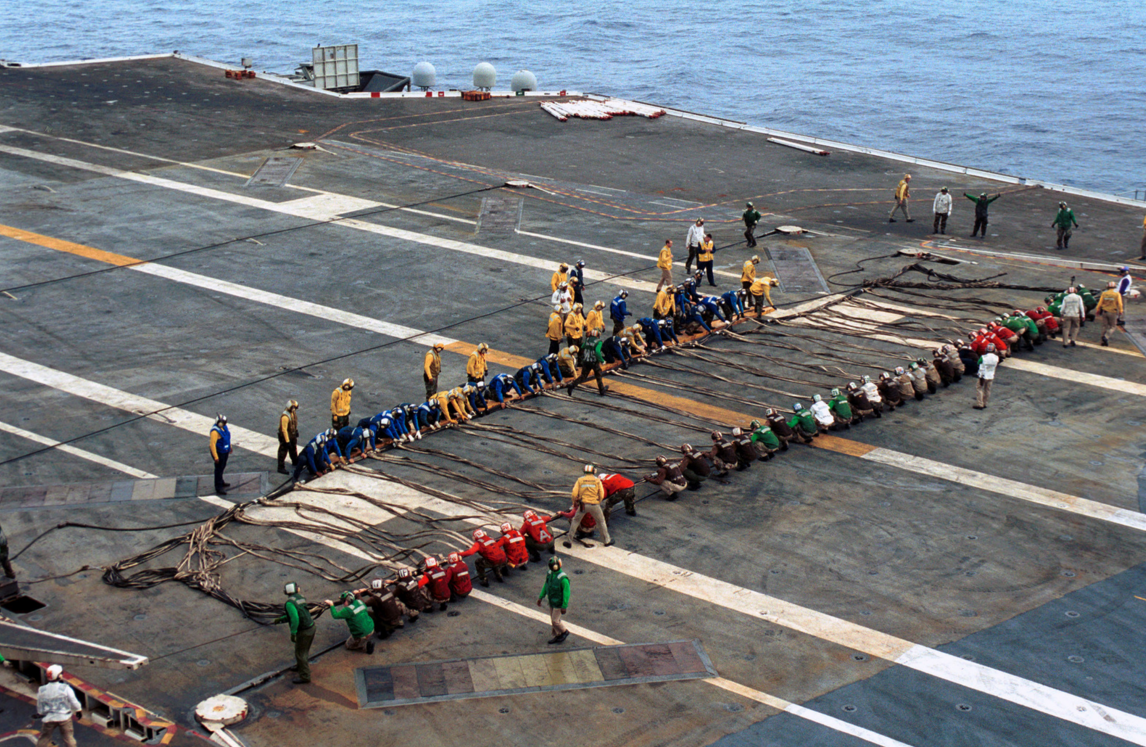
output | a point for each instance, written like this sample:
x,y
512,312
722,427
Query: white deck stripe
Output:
x,y
119,399
610,250
311,212
75,451
327,313
1103,382
993,682
365,511
1011,488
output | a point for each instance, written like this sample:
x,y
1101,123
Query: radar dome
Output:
x,y
425,76
484,76
523,80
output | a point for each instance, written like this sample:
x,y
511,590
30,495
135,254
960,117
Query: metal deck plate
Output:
x,y
275,171
571,669
500,215
796,270
20,642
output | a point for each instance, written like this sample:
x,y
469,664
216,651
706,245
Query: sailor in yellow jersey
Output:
x,y
555,331
665,305
748,273
476,367
588,492
575,326
288,436
595,321
431,368
664,263
902,195
559,277
340,405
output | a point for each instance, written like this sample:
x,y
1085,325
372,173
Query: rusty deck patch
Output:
x,y
571,669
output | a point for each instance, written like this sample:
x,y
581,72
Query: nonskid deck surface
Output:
x,y
939,574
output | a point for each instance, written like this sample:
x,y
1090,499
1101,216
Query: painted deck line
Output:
x,y
1103,382
310,211
74,451
609,250
368,512
993,682
135,404
225,172
990,483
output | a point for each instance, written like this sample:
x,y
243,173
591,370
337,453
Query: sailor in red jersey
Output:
x,y
460,586
491,557
538,536
437,581
516,554
618,488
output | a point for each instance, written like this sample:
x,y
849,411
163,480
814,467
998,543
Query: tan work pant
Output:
x,y
983,392
357,644
594,510
1069,327
67,733
666,278
670,488
899,205
1109,321
555,623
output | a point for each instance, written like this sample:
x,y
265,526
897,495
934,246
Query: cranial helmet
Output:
x,y
885,375
292,404
467,389
54,672
960,342
624,294
1041,310
555,563
580,263
686,448
797,407
220,419
769,412
479,534
348,383
529,514
717,435
661,461
736,432
590,469
899,371
290,588
431,561
817,398
991,347
403,573
754,425
867,379
376,584
835,392
599,305
852,385
454,558
384,422
505,527
346,596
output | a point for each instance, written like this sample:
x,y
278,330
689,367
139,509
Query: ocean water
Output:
x,y
1053,91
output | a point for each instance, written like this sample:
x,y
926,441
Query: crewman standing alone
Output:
x,y
220,446
556,591
340,405
301,631
288,436
902,195
432,368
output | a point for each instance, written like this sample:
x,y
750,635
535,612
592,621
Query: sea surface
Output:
x,y
1052,91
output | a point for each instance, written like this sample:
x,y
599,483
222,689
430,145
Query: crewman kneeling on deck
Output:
x,y
618,310
513,542
358,621
501,385
411,594
476,366
460,405
567,363
919,380
538,536
636,341
436,580
842,409
460,586
618,489
491,557
825,418
550,371
340,404
906,385
615,349
665,303
724,453
889,391
697,467
930,374
288,436
732,306
575,327
668,478
745,451
528,377
588,492
302,631
943,367
780,428
859,402
667,331
803,423
385,609
429,413
352,439
764,440
319,455
951,352
475,396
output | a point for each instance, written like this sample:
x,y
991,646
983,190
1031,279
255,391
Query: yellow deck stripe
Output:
x,y
60,245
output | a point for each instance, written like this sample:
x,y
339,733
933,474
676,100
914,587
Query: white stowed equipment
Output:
x,y
607,109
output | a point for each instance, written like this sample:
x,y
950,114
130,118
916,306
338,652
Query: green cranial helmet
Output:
x,y
554,563
835,392
754,425
347,596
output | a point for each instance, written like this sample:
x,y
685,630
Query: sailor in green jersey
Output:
x,y
764,440
301,631
1037,335
556,590
840,407
353,610
804,423
1019,327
